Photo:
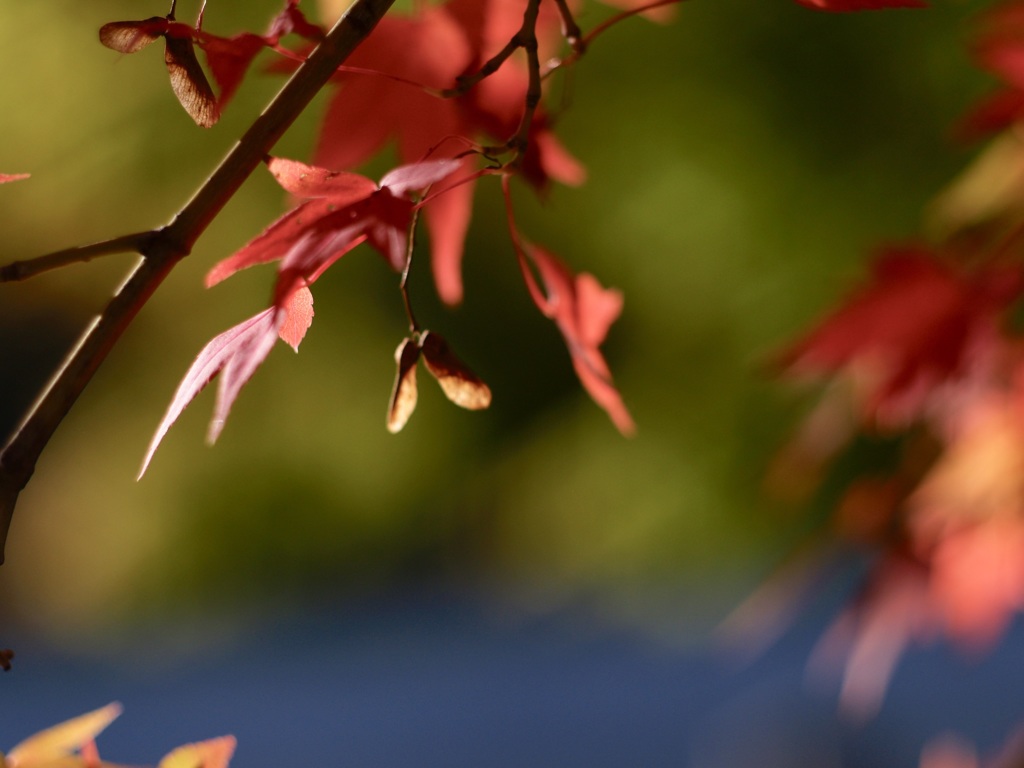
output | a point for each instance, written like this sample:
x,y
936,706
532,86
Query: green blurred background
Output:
x,y
743,160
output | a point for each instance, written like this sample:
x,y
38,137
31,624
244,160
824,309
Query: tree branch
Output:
x,y
22,270
163,248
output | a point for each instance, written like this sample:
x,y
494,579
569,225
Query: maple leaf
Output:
x,y
6,177
235,355
999,48
341,210
50,748
860,5
212,753
583,312
458,382
439,44
909,331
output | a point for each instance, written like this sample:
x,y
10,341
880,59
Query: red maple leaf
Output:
x,y
861,5
583,312
341,210
999,48
908,331
6,177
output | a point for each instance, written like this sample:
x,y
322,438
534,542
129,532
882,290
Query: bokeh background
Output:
x,y
743,161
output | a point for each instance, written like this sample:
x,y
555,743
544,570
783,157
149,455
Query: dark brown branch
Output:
x,y
520,39
22,270
528,35
164,248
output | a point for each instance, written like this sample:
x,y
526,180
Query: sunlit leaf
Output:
x,y
62,739
213,753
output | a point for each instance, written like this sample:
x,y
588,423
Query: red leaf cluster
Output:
x,y
925,350
341,211
437,100
439,44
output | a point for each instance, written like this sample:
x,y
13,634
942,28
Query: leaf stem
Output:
x,y
163,248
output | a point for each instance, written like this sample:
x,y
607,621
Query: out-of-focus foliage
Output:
x,y
739,166
72,744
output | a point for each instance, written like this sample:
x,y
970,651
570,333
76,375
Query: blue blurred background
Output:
x,y
520,586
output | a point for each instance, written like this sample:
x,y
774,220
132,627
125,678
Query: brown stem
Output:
x,y
586,40
22,270
164,248
403,286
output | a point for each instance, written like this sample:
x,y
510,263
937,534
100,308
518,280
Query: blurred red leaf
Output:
x,y
6,177
583,312
909,330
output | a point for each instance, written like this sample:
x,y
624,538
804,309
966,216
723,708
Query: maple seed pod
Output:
x,y
460,384
403,394
189,83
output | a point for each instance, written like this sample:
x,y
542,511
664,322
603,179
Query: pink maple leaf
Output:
x,y
235,355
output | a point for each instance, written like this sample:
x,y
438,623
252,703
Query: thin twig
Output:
x,y
605,25
570,29
165,247
22,270
403,286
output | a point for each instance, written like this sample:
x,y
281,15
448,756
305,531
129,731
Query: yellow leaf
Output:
x,y
47,747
